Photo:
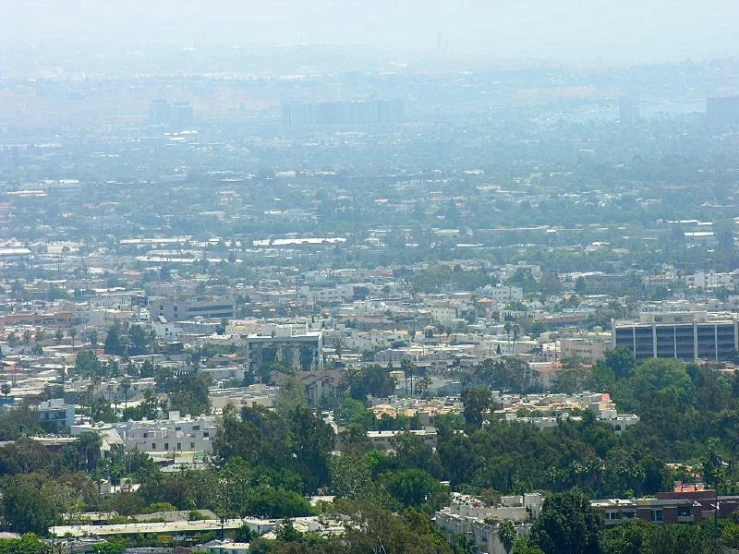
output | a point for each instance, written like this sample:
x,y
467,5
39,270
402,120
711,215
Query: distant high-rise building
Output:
x,y
178,116
159,112
723,109
628,111
353,113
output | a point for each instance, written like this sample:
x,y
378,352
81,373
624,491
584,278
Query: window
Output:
x,y
206,434
179,446
178,428
146,435
614,515
657,515
629,514
684,511
166,446
196,427
153,446
192,445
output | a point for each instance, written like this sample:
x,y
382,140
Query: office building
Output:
x,y
180,116
177,116
289,345
181,310
159,112
686,336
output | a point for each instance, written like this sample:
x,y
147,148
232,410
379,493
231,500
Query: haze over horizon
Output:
x,y
630,31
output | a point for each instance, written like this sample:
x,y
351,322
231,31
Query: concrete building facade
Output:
x,y
179,310
685,336
301,351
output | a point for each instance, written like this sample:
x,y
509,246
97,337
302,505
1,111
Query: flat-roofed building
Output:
x,y
297,349
180,310
56,412
685,336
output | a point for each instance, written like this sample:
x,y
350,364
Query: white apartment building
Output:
x,y
711,279
175,434
56,411
469,516
502,294
329,295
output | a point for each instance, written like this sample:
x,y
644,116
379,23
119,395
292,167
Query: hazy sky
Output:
x,y
638,30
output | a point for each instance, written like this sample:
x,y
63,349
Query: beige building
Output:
x,y
586,349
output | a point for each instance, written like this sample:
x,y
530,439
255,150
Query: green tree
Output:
x,y
730,535
138,340
507,534
24,455
627,538
188,393
524,545
86,363
27,544
476,402
113,342
277,503
412,487
110,548
621,362
567,525
666,377
26,507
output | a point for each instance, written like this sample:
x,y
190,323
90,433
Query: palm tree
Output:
x,y
339,347
5,389
508,327
423,386
88,446
125,387
408,368
72,335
